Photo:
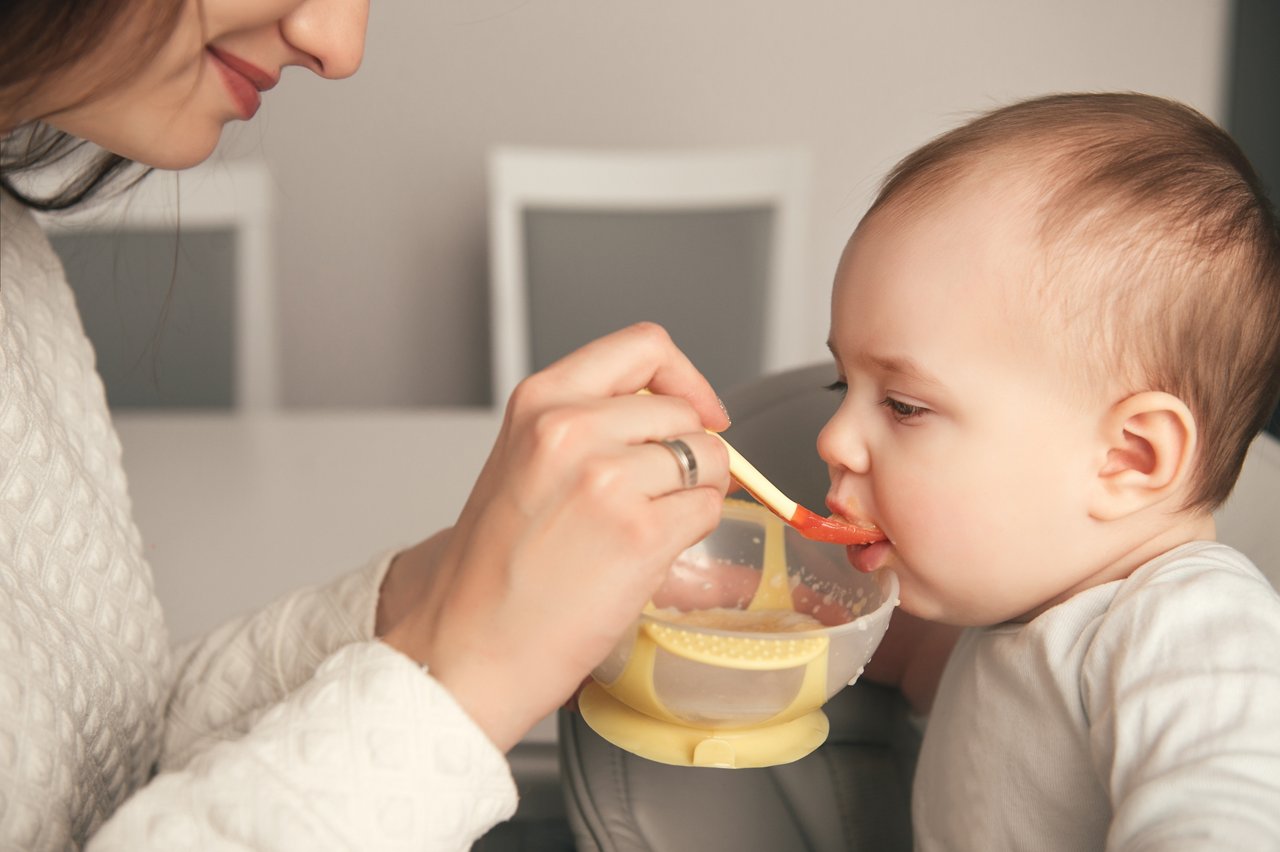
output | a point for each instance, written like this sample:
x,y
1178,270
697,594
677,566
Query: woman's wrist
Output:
x,y
406,582
487,688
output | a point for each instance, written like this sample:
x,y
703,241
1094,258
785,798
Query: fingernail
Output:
x,y
724,410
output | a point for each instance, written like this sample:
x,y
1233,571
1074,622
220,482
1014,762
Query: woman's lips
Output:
x,y
244,81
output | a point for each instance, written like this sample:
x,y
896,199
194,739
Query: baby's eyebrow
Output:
x,y
903,366
899,365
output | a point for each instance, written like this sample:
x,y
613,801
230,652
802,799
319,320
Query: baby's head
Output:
x,y
1091,282
1159,253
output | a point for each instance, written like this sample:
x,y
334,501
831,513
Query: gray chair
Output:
x,y
852,793
709,243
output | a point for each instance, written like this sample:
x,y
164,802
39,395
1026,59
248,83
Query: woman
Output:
x,y
293,727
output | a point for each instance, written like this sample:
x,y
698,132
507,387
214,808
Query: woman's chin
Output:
x,y
174,150
177,158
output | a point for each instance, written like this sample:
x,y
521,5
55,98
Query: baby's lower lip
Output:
x,y
869,557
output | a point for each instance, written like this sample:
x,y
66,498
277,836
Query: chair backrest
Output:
x,y
183,259
708,243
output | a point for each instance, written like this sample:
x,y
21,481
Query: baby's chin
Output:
x,y
929,607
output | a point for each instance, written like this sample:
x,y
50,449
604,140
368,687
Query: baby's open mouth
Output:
x,y
871,549
869,557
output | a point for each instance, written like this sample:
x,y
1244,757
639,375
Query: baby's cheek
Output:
x,y
924,509
945,538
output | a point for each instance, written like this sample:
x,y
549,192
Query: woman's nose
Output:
x,y
330,32
842,446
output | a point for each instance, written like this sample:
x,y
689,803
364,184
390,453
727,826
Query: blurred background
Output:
x,y
378,231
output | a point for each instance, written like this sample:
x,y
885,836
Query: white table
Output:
x,y
236,510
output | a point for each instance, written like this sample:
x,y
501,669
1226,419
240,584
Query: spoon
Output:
x,y
809,524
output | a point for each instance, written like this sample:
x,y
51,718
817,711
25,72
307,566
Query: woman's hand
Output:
x,y
570,528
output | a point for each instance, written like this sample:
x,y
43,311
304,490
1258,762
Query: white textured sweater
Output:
x,y
287,729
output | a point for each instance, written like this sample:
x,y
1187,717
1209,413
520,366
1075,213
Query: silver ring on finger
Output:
x,y
685,459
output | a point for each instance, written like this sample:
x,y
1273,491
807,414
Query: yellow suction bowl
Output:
x,y
693,695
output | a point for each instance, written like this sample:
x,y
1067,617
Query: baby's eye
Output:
x,y
902,411
839,386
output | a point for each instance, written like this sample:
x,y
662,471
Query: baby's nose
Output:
x,y
841,446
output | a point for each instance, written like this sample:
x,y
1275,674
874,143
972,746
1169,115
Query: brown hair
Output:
x,y
40,39
1163,252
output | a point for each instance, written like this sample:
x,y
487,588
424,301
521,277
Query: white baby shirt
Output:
x,y
1139,714
287,729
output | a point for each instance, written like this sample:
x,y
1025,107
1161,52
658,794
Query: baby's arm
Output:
x,y
911,658
1182,689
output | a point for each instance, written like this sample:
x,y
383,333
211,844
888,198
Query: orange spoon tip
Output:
x,y
813,526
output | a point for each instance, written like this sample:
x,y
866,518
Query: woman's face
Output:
x,y
212,69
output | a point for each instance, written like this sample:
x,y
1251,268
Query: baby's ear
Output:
x,y
1150,443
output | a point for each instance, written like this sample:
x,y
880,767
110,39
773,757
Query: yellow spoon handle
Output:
x,y
757,485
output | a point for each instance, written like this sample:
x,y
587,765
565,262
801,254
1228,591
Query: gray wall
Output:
x,y
381,208
1253,109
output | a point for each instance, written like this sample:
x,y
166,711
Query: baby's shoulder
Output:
x,y
1199,603
1201,575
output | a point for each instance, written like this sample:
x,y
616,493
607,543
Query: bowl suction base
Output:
x,y
682,745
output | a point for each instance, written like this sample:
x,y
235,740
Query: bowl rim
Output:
x,y
890,589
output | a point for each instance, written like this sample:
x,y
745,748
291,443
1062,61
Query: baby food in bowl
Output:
x,y
753,631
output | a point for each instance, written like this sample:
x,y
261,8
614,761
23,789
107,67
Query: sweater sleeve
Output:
x,y
292,728
369,754
224,681
1182,686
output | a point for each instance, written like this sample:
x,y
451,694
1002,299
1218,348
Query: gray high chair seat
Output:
x,y
853,792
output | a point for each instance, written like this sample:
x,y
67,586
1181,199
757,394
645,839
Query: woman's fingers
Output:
x,y
574,522
682,462
650,469
622,363
545,453
628,419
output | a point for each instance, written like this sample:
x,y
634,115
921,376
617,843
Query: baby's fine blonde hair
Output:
x,y
1161,252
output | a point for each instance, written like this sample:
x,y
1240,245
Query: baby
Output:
x,y
1057,331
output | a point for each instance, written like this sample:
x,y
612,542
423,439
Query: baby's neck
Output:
x,y
1142,541
1166,533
